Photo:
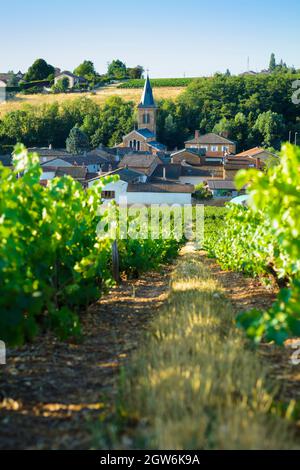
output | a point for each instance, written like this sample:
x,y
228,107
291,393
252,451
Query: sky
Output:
x,y
170,38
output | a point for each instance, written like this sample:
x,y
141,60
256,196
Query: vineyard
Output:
x,y
158,82
188,351
263,240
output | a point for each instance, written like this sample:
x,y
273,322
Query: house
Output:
x,y
133,189
144,137
3,86
6,160
144,163
233,164
188,155
223,188
214,144
74,80
257,153
48,153
78,173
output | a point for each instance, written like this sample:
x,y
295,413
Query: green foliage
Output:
x,y
52,123
52,262
39,70
117,69
86,70
158,82
264,239
202,192
61,86
77,142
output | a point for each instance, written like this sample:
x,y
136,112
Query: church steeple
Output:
x,y
147,109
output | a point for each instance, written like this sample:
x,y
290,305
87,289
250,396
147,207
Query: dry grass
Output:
x,y
100,97
195,383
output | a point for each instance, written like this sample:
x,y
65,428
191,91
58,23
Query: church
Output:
x,y
143,139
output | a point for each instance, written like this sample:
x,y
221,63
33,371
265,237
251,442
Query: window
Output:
x,y
204,147
214,148
225,148
146,118
138,145
108,194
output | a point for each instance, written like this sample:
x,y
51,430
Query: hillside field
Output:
x,y
100,97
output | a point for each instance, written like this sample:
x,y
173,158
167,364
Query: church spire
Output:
x,y
147,100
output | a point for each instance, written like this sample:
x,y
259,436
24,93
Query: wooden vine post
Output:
x,y
115,262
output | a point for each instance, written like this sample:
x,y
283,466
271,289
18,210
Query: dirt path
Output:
x,y
50,391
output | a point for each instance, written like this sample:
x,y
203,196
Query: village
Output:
x,y
148,172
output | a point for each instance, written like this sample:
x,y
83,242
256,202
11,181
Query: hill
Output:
x,y
99,97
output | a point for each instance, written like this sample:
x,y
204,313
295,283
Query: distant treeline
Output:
x,y
252,110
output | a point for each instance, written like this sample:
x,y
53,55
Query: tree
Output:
x,y
39,70
86,70
272,65
135,72
270,127
77,142
117,69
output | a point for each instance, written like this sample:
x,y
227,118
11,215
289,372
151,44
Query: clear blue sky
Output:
x,y
170,37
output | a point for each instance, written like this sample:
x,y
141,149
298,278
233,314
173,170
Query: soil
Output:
x,y
51,392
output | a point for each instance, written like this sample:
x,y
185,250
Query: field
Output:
x,y
158,82
194,346
99,97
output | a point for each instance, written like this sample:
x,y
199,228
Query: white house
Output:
x,y
132,187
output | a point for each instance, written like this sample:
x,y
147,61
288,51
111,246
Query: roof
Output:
x,y
77,172
49,152
198,152
145,133
221,184
160,188
6,160
147,100
172,171
210,138
70,74
141,160
156,145
252,152
192,171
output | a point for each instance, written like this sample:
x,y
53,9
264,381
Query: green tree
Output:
x,y
77,142
39,70
135,72
61,86
270,127
272,65
117,69
86,70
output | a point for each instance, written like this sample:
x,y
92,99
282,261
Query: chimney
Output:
x,y
50,146
164,173
197,134
258,163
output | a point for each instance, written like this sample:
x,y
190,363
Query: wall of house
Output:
x,y
48,175
119,187
192,179
188,157
158,198
209,148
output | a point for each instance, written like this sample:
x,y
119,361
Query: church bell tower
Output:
x,y
147,109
